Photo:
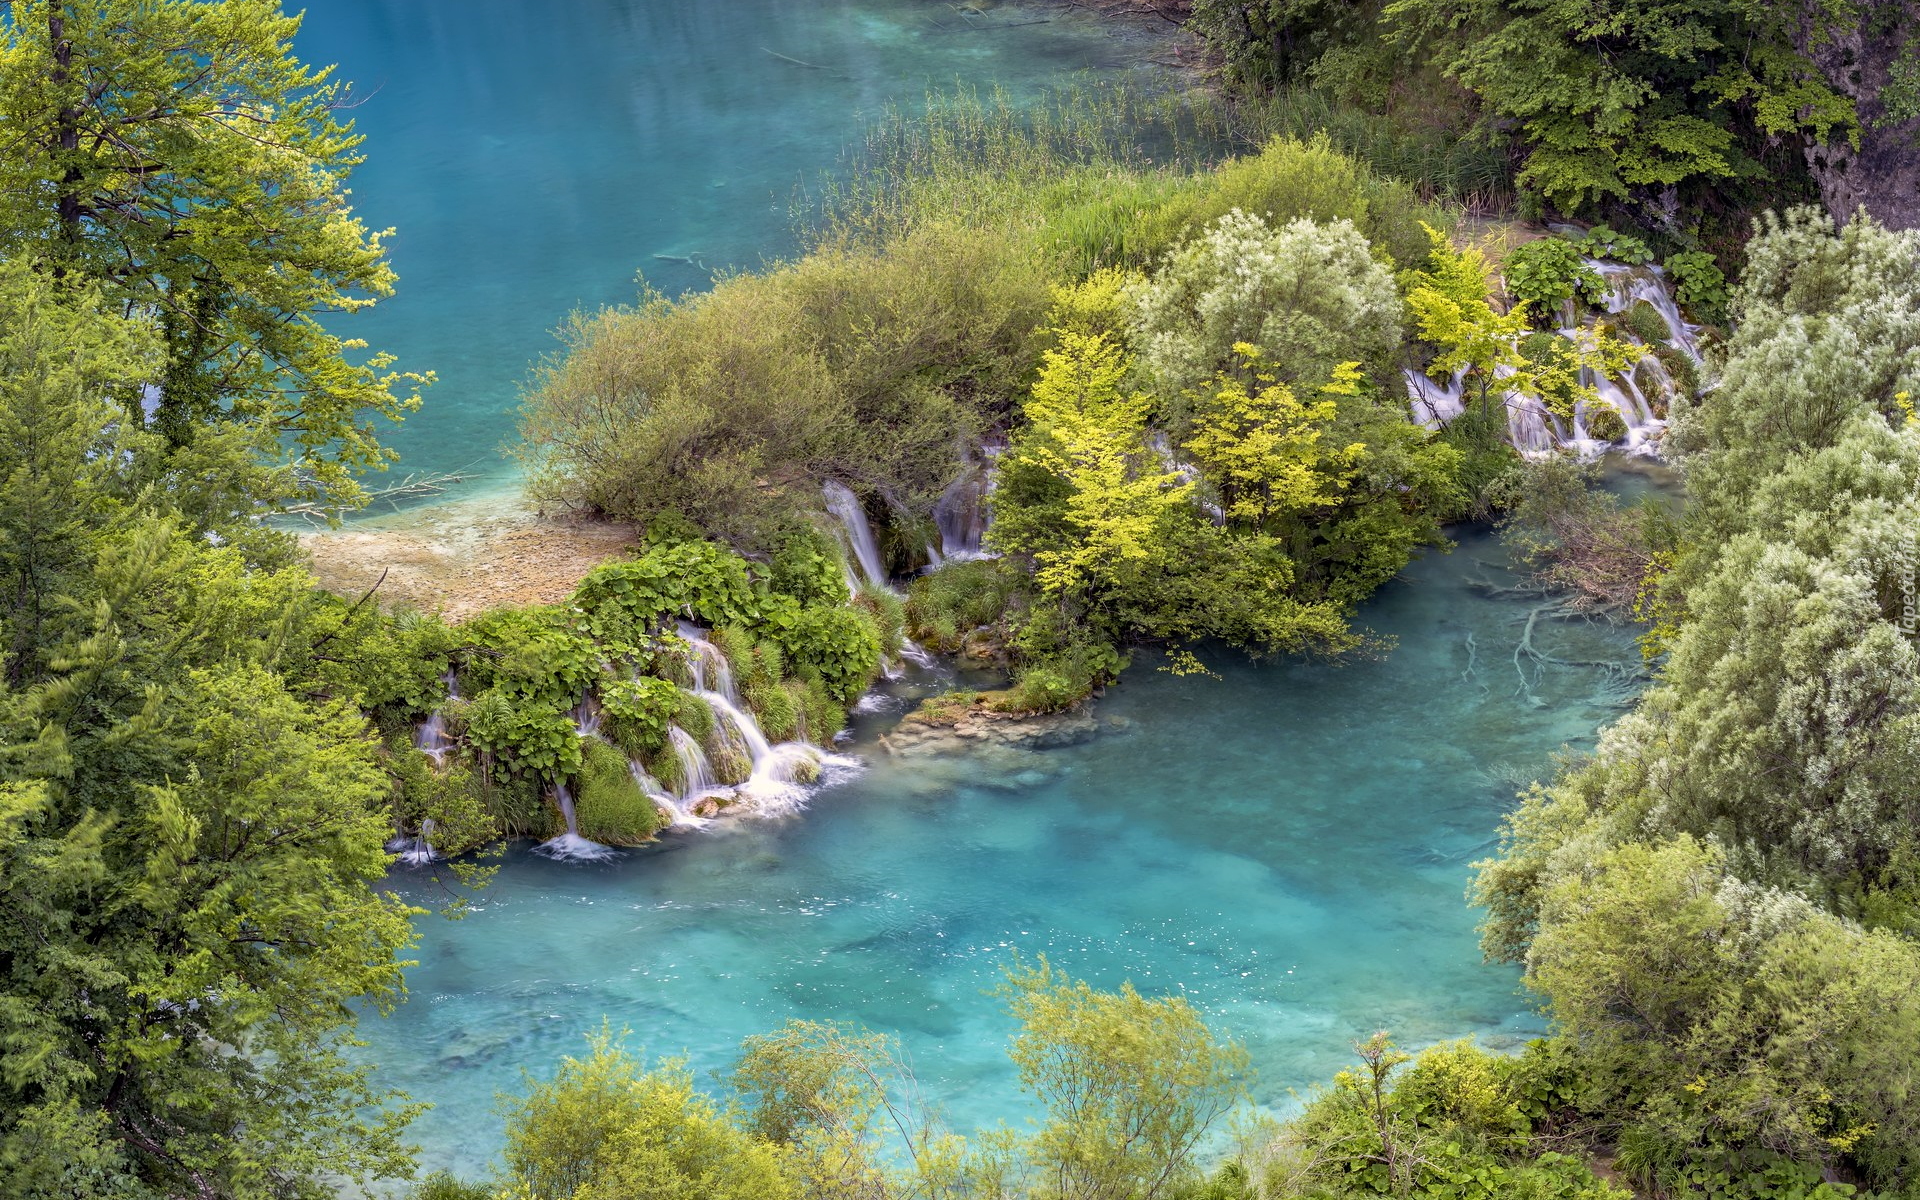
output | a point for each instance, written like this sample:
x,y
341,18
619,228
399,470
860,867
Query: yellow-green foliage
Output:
x,y
1130,1083
1290,179
1451,300
609,1128
1263,448
731,406
608,804
1085,431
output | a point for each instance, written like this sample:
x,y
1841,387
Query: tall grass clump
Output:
x,y
1470,168
988,160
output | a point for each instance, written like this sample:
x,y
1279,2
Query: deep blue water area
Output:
x,y
535,157
1286,845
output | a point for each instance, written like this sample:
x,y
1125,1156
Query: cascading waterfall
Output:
x,y
1536,432
1628,286
857,536
775,774
961,515
570,846
708,663
431,738
856,530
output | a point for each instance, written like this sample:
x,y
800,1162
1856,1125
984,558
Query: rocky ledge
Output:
x,y
964,721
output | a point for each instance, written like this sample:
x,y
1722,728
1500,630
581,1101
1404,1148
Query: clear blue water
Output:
x,y
1287,846
534,157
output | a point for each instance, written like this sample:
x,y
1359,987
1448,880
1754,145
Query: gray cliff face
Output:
x,y
1883,175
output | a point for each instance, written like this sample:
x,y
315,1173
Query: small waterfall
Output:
x,y
1434,404
678,811
775,782
586,718
431,738
1628,286
570,846
711,670
416,851
961,516
856,530
1640,398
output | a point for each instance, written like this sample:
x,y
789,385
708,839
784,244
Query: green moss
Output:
x,y
820,715
729,760
773,705
946,709
692,714
1644,321
1604,423
1685,374
609,805
664,766
738,645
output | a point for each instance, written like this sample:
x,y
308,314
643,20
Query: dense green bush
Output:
x,y
732,406
1307,296
1291,180
840,647
944,606
1697,901
608,804
1454,1123
1544,274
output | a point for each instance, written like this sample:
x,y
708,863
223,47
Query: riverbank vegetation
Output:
x,y
1188,375
1183,371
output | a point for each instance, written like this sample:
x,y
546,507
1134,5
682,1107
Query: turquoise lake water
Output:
x,y
535,157
1287,846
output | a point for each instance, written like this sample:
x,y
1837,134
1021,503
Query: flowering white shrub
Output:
x,y
1310,296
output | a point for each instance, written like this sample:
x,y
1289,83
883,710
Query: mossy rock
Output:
x,y
773,706
695,716
1684,372
1604,423
609,806
731,764
943,710
1543,349
1644,321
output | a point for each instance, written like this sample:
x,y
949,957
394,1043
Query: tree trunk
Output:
x,y
66,134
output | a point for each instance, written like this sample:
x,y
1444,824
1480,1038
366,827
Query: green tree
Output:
x,y
192,823
607,1127
1621,101
1309,296
1131,1084
176,155
1263,448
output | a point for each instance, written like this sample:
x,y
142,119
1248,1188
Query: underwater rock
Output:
x,y
960,722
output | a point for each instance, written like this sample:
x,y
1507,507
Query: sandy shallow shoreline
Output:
x,y
464,556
